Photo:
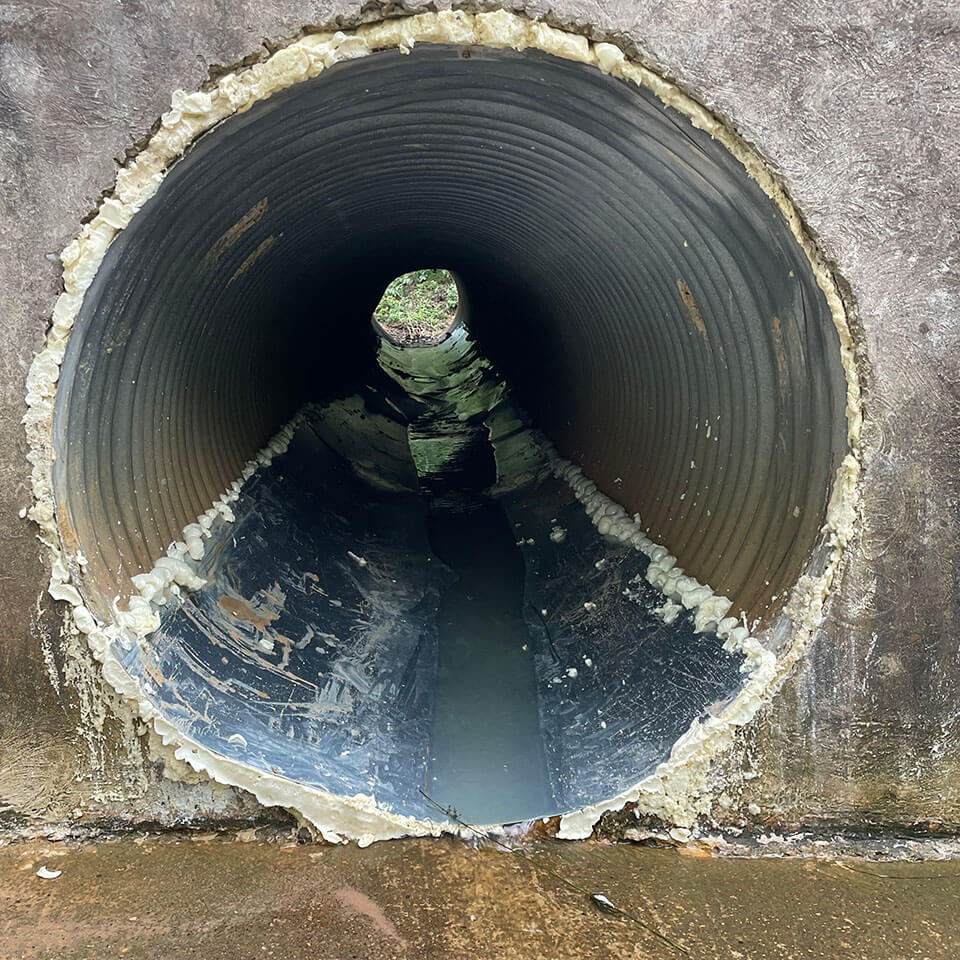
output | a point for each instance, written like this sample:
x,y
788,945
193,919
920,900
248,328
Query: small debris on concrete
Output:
x,y
602,903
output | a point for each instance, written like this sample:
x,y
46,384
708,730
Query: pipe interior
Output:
x,y
650,313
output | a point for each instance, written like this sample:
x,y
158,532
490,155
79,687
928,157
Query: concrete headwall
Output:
x,y
855,109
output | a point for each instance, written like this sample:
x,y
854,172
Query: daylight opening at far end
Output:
x,y
418,307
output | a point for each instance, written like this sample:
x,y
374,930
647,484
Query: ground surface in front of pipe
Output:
x,y
430,900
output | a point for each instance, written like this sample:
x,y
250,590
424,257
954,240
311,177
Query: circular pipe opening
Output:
x,y
419,307
403,601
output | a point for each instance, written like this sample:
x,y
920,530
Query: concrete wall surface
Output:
x,y
855,106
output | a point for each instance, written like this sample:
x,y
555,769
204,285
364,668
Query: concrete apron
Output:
x,y
440,899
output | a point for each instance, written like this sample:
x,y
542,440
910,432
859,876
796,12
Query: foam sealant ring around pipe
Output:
x,y
677,791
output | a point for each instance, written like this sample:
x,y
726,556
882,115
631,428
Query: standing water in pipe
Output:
x,y
486,747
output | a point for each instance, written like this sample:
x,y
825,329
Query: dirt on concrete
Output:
x,y
233,896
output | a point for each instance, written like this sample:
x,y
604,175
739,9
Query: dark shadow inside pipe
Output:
x,y
651,313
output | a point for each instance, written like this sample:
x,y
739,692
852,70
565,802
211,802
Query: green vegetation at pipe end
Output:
x,y
418,307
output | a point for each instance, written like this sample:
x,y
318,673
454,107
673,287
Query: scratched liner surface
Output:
x,y
312,650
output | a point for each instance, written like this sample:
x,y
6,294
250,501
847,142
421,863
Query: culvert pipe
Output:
x,y
643,305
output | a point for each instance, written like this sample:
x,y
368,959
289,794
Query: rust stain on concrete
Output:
x,y
359,903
